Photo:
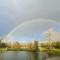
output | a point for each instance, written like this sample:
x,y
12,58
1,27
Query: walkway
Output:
x,y
53,58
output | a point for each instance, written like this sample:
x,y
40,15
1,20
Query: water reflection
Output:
x,y
2,55
20,55
35,55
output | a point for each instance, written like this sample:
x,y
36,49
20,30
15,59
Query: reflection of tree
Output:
x,y
15,54
32,55
2,55
35,55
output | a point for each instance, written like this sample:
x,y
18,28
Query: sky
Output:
x,y
15,12
34,30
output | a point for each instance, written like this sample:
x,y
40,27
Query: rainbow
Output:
x,y
28,22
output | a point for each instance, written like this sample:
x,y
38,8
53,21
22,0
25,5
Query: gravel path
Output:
x,y
53,58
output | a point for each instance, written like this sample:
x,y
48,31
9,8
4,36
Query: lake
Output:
x,y
20,55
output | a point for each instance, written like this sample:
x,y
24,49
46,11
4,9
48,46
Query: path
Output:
x,y
53,58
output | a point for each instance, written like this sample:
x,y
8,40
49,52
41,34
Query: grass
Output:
x,y
42,49
54,52
19,49
3,49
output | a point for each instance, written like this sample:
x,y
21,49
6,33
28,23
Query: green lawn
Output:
x,y
3,49
55,52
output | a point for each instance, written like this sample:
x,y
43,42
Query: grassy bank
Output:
x,y
15,49
54,52
3,49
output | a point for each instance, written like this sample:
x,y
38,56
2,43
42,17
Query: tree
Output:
x,y
57,44
16,45
4,45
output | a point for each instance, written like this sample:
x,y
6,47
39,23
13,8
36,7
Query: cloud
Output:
x,y
14,12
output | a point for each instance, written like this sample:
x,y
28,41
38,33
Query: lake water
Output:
x,y
20,55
